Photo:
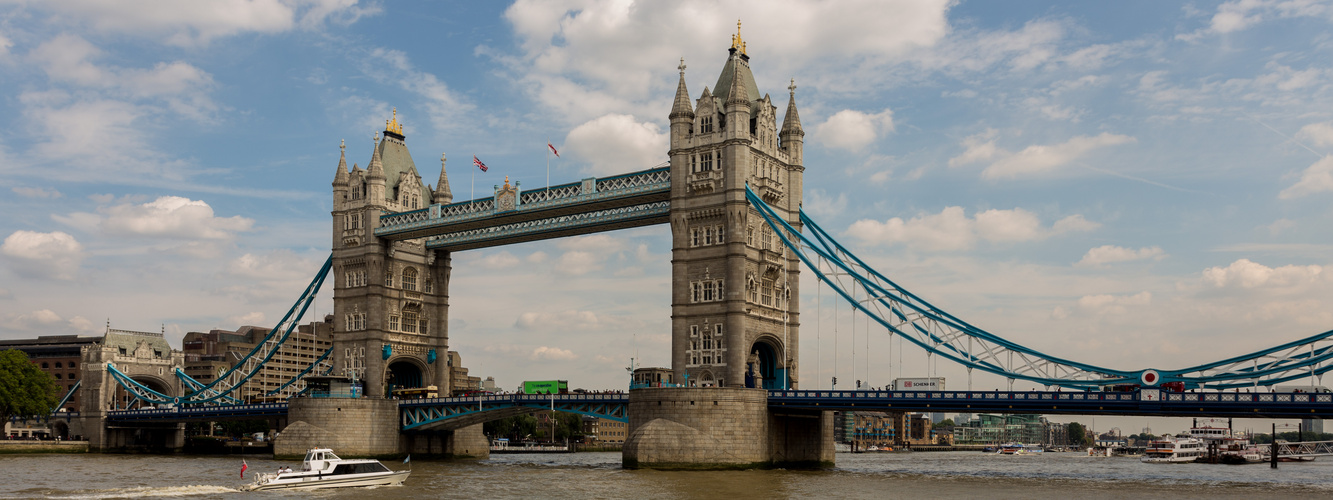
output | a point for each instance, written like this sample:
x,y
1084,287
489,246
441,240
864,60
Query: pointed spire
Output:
x,y
791,124
442,194
738,93
682,106
375,170
340,178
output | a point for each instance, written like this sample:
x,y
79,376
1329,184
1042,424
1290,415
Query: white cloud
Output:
x,y
552,354
42,319
1107,254
68,59
1317,178
255,318
951,229
1246,274
197,23
40,255
442,105
616,143
166,217
977,148
1033,159
1118,305
36,192
853,130
586,59
498,260
819,203
1238,15
1319,134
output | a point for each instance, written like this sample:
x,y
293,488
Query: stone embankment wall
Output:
x,y
22,447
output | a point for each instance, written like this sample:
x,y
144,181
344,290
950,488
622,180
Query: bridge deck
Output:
x,y
592,205
1142,403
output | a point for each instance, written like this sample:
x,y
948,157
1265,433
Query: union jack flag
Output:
x,y
478,163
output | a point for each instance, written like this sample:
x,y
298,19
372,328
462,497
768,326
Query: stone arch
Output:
x,y
404,372
764,367
706,379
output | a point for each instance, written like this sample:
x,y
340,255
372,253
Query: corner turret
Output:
x,y
443,195
682,114
375,175
792,134
340,178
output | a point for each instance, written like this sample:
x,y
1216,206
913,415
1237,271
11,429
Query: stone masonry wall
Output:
x,y
697,428
351,427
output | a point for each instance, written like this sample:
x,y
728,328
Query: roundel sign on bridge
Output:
x,y
1150,377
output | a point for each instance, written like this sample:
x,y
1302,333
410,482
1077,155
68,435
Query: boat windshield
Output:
x,y
328,455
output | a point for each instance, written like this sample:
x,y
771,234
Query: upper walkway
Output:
x,y
591,205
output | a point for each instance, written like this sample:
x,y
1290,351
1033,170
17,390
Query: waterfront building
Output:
x,y
992,429
862,429
459,380
57,356
604,432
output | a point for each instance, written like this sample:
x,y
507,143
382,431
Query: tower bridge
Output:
x,y
731,196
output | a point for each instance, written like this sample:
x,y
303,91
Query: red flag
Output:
x,y
478,163
243,467
557,153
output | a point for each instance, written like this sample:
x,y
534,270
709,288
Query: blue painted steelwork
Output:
x,y
301,376
562,210
940,333
650,213
194,385
1146,402
65,399
421,414
192,413
243,370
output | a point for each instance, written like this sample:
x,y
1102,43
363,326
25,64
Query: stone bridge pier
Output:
x,y
148,359
720,428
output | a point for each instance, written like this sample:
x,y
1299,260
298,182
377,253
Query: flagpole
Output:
x,y
548,167
474,183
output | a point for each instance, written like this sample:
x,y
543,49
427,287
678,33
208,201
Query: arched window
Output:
x,y
58,364
428,286
410,279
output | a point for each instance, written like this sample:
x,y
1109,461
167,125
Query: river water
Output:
x,y
598,475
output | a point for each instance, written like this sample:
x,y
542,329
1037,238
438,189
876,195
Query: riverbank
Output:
x,y
38,447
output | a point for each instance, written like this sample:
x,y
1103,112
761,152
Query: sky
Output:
x,y
1129,184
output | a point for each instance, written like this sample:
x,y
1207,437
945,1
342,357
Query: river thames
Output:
x,y
598,475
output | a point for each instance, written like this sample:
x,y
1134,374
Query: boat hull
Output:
x,y
318,482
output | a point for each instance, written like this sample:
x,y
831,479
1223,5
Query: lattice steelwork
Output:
x,y
460,412
940,333
562,199
555,224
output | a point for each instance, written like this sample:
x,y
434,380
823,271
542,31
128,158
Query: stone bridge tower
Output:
x,y
734,308
390,299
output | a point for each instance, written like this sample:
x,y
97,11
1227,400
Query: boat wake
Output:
x,y
139,492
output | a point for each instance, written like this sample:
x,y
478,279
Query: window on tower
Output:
x,y
410,279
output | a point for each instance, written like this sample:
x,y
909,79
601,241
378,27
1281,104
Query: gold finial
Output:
x,y
736,41
506,182
393,125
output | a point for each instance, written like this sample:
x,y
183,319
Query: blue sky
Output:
x,y
1135,184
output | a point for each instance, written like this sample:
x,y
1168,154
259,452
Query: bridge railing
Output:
x,y
1276,398
519,398
588,190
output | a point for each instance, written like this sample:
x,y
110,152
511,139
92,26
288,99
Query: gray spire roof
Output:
x,y
375,170
736,75
682,105
340,178
791,124
442,194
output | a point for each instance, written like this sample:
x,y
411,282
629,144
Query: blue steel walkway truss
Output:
x,y
455,413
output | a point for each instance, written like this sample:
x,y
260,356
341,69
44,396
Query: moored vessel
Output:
x,y
1178,450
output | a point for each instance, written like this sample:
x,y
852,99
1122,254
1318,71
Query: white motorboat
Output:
x,y
323,469
1173,451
